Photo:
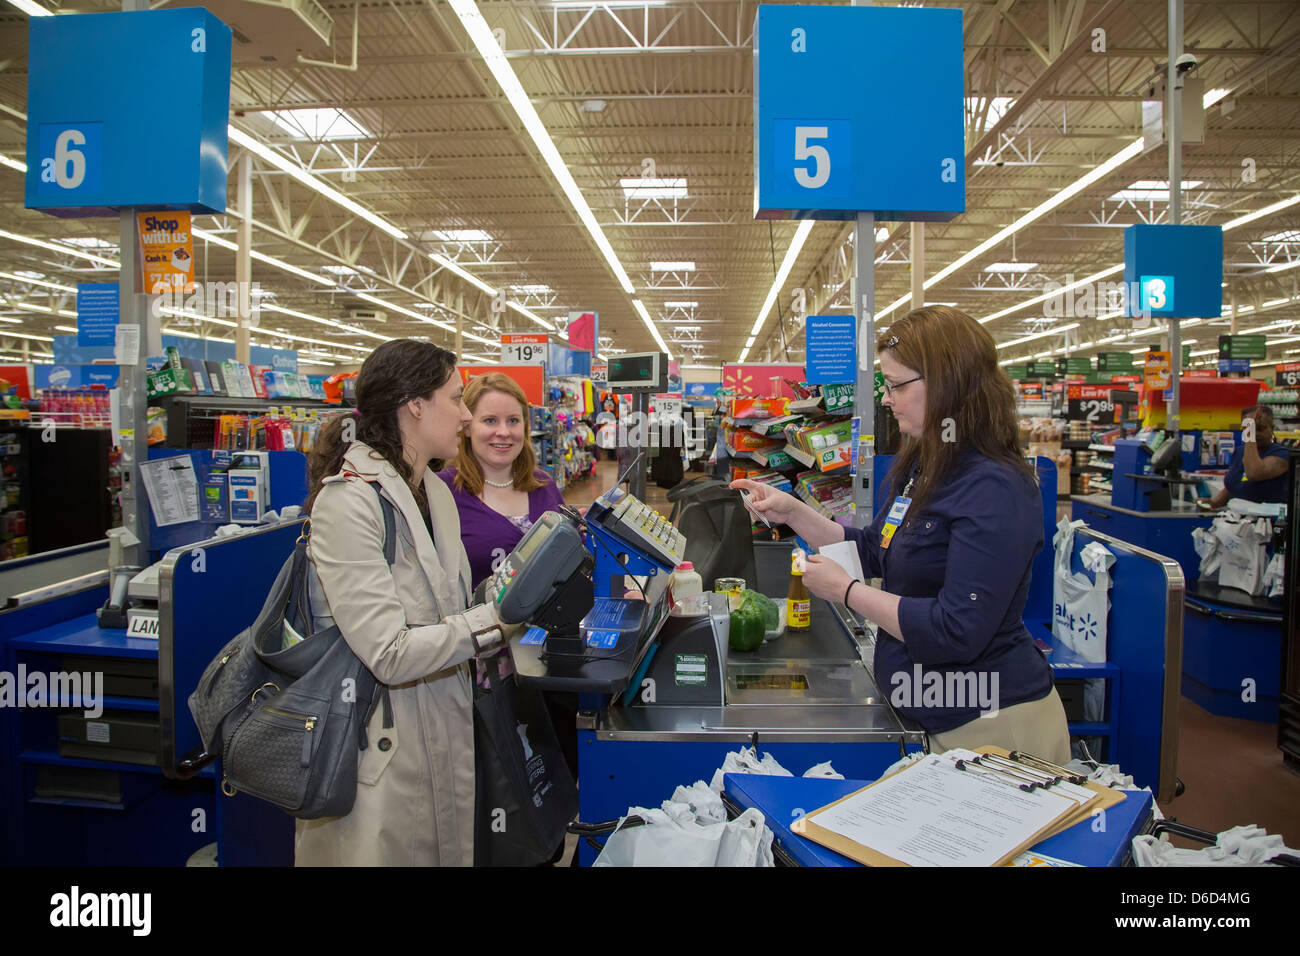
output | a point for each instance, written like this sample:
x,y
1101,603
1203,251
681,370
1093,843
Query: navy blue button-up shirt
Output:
x,y
961,568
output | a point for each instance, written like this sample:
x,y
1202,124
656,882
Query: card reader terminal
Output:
x,y
534,574
632,521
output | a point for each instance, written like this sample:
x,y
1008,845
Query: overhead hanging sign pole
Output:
x,y
846,128
92,151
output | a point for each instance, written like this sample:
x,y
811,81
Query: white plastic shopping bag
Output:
x,y
1244,554
1081,603
1209,550
1273,575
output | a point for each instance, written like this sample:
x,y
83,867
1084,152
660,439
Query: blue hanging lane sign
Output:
x,y
127,109
858,109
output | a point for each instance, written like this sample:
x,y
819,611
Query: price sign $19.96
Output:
x,y
523,353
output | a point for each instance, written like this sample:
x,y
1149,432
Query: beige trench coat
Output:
x,y
415,787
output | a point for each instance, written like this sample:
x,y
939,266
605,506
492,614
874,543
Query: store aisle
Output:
x,y
589,489
1234,775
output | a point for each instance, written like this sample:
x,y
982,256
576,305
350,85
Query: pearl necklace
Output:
x,y
499,484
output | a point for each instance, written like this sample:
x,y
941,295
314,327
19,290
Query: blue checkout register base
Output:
x,y
782,800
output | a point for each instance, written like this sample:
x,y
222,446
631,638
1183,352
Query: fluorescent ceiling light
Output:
x,y
1213,96
654,331
90,242
305,177
1289,235
1068,192
1283,266
467,276
356,330
672,267
717,368
1152,190
791,254
998,106
593,4
319,124
31,9
531,289
457,235
339,270
33,307
882,234
653,188
1011,266
24,335
13,163
681,305
181,313
1039,335
262,257
536,318
33,280
1261,213
479,31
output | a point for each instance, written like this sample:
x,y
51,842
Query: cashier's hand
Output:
x,y
825,578
775,505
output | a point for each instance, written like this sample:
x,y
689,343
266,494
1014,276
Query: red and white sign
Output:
x,y
531,378
1089,391
523,348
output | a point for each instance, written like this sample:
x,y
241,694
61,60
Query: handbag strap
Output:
x,y
381,697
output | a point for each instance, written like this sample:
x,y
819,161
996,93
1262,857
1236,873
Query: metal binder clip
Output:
x,y
1067,774
973,766
1044,778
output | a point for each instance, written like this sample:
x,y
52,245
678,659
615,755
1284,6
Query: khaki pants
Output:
x,y
1036,727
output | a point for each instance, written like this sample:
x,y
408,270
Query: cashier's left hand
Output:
x,y
825,578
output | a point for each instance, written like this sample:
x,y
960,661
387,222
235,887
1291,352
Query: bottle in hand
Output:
x,y
798,602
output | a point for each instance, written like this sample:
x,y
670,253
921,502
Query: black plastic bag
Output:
x,y
525,796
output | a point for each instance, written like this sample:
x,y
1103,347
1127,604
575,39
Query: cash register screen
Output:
x,y
536,535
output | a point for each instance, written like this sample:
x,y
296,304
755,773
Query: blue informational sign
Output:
x,y
281,360
858,109
700,389
127,109
97,313
832,349
560,360
1174,270
1234,366
68,352
74,376
605,640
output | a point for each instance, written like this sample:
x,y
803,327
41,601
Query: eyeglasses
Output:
x,y
890,389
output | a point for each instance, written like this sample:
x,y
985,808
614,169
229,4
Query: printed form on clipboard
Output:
x,y
931,813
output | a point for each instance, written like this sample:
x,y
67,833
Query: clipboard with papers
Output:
x,y
960,808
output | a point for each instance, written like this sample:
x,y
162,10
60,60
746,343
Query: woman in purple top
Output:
x,y
500,493
494,480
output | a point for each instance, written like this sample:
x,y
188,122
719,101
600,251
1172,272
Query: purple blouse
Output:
x,y
488,535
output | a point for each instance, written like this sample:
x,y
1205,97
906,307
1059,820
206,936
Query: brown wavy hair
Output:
x,y
968,398
393,374
469,474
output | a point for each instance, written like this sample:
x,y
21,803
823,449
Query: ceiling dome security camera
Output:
x,y
1186,63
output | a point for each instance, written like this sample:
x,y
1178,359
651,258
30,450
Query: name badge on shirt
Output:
x,y
897,512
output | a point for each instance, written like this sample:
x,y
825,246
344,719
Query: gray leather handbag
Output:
x,y
288,718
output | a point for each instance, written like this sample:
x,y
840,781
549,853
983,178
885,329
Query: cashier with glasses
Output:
x,y
953,543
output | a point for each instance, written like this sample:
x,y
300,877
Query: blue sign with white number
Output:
x,y
127,109
858,109
97,314
1174,271
1234,367
1156,294
832,349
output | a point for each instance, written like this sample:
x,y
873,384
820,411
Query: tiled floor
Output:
x,y
1232,769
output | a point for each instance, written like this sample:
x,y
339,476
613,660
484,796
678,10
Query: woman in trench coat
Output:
x,y
408,623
